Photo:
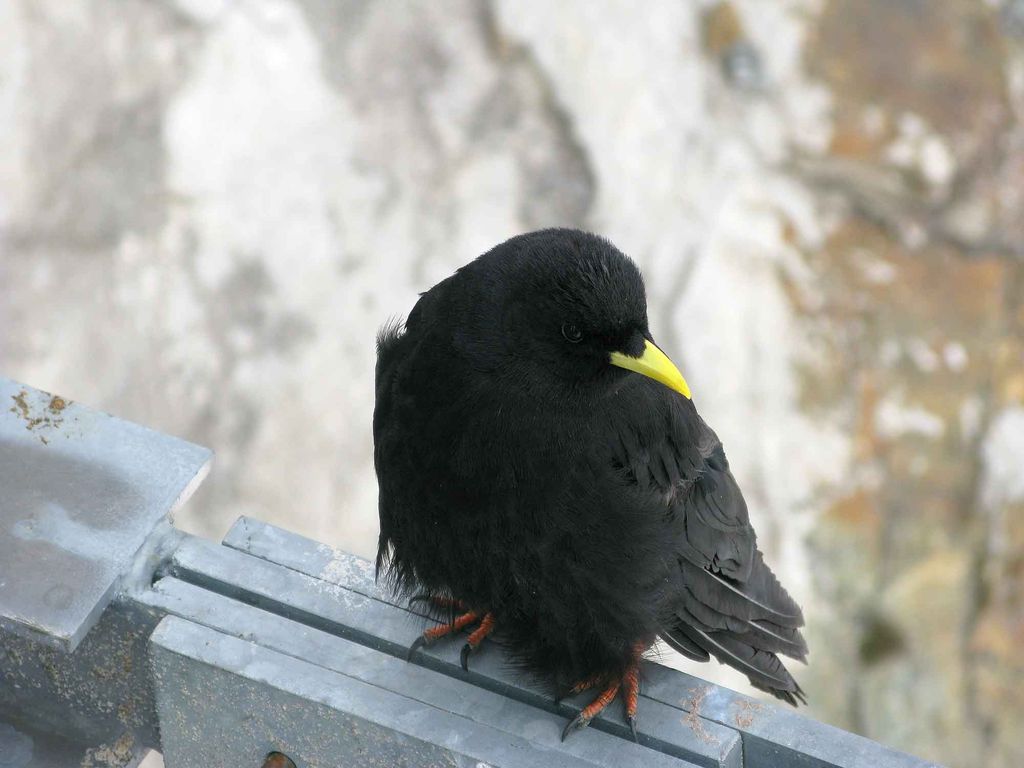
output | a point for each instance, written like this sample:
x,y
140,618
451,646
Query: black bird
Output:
x,y
544,474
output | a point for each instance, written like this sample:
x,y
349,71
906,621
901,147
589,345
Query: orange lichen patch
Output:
x,y
885,316
865,437
858,511
916,323
883,323
916,350
877,272
856,141
790,233
947,287
942,61
722,28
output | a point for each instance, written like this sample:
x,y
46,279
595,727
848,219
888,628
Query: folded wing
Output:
x,y
725,601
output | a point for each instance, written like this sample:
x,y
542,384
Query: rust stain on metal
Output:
x,y
20,406
692,718
43,421
747,713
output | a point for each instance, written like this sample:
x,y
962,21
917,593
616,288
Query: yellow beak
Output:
x,y
656,365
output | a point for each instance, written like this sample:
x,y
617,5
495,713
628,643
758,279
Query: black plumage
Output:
x,y
527,475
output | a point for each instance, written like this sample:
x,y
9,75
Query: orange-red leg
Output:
x,y
460,622
591,682
475,638
592,710
583,685
631,689
629,686
441,630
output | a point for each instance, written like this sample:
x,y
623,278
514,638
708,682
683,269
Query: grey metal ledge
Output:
x,y
81,491
217,654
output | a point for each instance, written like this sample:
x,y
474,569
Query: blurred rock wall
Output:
x,y
208,206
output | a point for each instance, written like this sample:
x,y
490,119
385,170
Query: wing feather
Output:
x,y
725,600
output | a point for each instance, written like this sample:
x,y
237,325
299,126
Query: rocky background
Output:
x,y
207,208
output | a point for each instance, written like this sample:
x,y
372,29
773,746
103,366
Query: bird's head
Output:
x,y
567,308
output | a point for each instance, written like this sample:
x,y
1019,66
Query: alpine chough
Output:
x,y
545,475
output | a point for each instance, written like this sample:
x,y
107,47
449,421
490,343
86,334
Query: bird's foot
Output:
x,y
629,686
631,691
584,685
592,710
457,624
432,634
475,638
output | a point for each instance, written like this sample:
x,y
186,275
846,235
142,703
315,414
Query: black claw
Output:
x,y
632,728
418,643
464,656
578,723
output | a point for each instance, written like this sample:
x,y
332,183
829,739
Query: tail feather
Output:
x,y
742,624
764,669
761,597
757,633
766,636
686,646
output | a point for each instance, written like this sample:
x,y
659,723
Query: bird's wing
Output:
x,y
726,602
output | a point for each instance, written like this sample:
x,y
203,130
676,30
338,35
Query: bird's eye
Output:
x,y
572,332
